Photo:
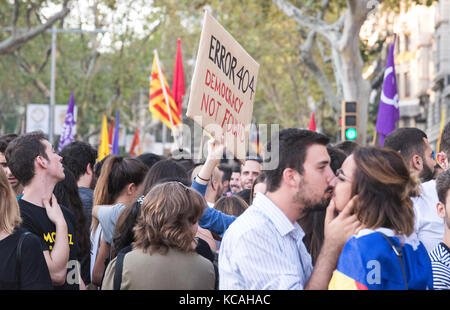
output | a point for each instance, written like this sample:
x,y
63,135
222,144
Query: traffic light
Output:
x,y
349,128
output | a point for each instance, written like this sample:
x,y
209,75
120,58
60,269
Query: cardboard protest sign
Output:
x,y
223,87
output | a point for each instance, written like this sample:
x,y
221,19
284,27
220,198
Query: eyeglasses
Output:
x,y
186,189
341,176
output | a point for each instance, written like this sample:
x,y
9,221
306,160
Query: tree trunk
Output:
x,y
343,39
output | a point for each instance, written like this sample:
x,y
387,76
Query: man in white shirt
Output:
x,y
412,144
263,248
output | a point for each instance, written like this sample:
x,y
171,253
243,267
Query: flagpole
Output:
x,y
166,98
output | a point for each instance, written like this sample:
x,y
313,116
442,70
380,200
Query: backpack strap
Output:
x,y
119,268
19,256
398,251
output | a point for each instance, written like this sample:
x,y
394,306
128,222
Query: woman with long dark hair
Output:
x,y
66,192
119,185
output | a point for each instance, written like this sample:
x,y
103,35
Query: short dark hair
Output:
x,y
236,168
443,185
226,172
445,140
293,144
5,140
21,153
76,156
149,159
408,141
348,147
166,168
337,157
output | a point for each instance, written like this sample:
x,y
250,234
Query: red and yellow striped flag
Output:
x,y
158,104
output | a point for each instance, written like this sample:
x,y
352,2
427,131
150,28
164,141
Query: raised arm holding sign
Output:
x,y
223,87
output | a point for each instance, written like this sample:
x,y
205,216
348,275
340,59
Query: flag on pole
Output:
x,y
103,149
136,142
178,87
115,145
441,129
388,111
312,122
255,141
110,135
161,105
68,132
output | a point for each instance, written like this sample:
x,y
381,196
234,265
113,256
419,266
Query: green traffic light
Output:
x,y
351,134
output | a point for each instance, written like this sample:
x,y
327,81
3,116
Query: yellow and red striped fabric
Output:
x,y
157,103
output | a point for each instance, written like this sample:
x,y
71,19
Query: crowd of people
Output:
x,y
340,216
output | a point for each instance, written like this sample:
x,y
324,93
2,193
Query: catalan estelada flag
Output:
x,y
161,98
368,262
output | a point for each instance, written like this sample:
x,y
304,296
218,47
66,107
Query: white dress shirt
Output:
x,y
263,249
428,226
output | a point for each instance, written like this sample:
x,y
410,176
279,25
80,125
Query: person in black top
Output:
x,y
21,266
38,167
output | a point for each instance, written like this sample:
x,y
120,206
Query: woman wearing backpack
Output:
x,y
22,263
163,255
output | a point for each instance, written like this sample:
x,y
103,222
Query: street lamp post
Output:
x,y
53,70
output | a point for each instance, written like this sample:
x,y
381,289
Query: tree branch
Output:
x,y
16,41
314,23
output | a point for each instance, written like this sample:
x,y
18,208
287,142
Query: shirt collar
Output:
x,y
277,217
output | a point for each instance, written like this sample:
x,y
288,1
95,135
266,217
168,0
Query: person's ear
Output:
x,y
89,170
416,162
131,188
40,161
442,160
440,207
291,177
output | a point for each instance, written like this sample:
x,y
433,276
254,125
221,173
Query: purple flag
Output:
x,y
68,132
115,147
388,111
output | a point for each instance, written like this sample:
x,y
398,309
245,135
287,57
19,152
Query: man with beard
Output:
x,y
79,157
263,248
412,144
312,220
235,180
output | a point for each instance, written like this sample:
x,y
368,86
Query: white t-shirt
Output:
x,y
428,226
96,237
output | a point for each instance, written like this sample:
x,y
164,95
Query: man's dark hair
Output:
x,y
226,172
21,153
236,168
293,144
76,156
337,157
445,140
443,185
5,140
347,146
245,195
408,141
149,159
